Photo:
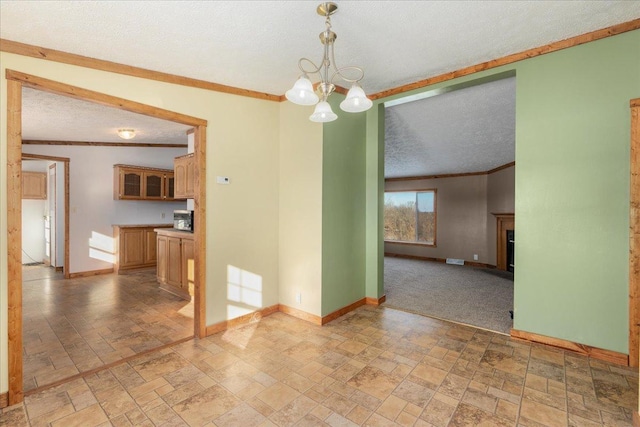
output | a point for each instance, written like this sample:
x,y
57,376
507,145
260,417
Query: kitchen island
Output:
x,y
175,270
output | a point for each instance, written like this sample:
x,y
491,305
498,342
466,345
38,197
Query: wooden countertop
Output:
x,y
143,225
172,232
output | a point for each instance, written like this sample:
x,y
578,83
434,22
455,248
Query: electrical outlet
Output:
x,y
475,257
298,297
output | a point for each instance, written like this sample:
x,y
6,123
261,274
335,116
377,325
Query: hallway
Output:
x,y
77,325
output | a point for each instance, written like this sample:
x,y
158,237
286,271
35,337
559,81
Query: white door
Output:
x,y
51,220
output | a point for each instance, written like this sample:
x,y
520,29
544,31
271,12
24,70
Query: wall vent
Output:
x,y
455,261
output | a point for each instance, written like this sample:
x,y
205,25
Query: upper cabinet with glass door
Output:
x,y
141,183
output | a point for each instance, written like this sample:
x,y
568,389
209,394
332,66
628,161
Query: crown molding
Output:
x,y
102,65
114,67
451,175
509,59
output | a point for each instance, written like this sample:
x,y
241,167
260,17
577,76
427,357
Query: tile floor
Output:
x,y
373,366
76,325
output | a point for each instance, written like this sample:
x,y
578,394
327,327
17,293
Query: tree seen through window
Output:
x,y
410,216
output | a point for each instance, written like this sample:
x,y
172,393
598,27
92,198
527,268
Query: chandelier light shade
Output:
x,y
302,92
323,113
126,133
356,101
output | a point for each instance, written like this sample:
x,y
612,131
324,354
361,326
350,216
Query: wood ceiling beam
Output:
x,y
102,144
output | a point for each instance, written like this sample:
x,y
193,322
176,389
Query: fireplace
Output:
x,y
511,236
505,223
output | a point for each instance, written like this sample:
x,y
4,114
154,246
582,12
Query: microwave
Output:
x,y
183,220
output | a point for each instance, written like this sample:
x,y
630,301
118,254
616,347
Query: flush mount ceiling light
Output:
x,y
302,92
126,133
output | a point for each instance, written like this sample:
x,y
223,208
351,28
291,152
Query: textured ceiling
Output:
x,y
466,130
256,44
53,117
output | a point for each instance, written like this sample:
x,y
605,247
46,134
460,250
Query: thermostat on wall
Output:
x,y
223,180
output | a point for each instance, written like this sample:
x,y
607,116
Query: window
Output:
x,y
410,216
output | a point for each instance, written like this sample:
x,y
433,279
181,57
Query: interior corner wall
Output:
x,y
242,144
572,189
343,209
461,218
300,219
374,203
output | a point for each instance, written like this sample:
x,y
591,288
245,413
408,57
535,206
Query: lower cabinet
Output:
x,y
188,250
175,262
135,246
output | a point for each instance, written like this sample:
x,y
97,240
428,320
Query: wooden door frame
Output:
x,y
15,82
65,161
502,220
634,236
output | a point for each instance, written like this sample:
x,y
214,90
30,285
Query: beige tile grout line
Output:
x,y
104,367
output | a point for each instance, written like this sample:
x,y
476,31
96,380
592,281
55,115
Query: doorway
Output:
x,y
15,83
459,143
60,211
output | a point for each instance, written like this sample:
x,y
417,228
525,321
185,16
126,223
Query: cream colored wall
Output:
x,y
300,209
242,143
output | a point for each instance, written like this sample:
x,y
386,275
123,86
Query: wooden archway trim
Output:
x,y
51,86
14,239
634,237
15,82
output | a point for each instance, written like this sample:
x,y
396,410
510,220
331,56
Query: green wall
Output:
x,y
343,209
572,189
374,252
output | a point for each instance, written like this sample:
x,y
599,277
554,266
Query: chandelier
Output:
x,y
302,92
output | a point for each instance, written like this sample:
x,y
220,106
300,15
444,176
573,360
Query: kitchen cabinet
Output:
x,y
184,170
34,185
142,183
153,185
175,270
135,246
187,265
